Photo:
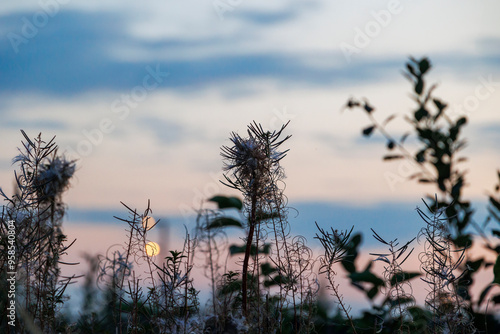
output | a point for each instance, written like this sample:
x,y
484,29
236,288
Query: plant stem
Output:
x,y
244,288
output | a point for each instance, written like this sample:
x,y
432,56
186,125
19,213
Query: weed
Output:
x,y
274,288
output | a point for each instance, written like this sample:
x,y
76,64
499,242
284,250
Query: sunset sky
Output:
x,y
144,94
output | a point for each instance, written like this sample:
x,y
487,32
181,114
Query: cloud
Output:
x,y
34,124
489,135
165,131
93,215
266,18
66,55
78,52
490,45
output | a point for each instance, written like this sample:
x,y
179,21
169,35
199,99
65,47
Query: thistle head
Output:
x,y
53,177
253,161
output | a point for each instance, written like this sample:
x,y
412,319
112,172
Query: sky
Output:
x,y
144,94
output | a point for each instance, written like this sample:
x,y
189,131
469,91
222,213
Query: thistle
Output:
x,y
253,168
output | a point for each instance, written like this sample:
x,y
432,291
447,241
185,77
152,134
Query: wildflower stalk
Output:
x,y
334,244
251,231
449,309
211,239
37,210
127,256
397,279
252,162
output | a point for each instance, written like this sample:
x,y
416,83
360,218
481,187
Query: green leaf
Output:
x,y
366,276
355,241
348,264
410,69
463,241
393,157
455,190
419,313
368,108
403,276
352,252
496,271
372,292
230,287
278,279
266,249
496,299
267,269
424,65
368,131
224,202
421,113
495,203
270,283
224,222
475,265
419,86
440,105
420,156
461,121
483,294
352,103
234,249
368,266
493,214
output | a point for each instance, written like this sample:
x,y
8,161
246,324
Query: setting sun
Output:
x,y
152,248
231,166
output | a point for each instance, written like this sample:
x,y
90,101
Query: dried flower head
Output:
x,y
252,161
53,177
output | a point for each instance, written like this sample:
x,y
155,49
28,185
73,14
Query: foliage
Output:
x,y
275,287
31,240
448,233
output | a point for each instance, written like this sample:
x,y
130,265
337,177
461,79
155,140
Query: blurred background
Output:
x,y
144,94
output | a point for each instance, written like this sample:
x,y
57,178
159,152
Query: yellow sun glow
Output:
x,y
152,248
